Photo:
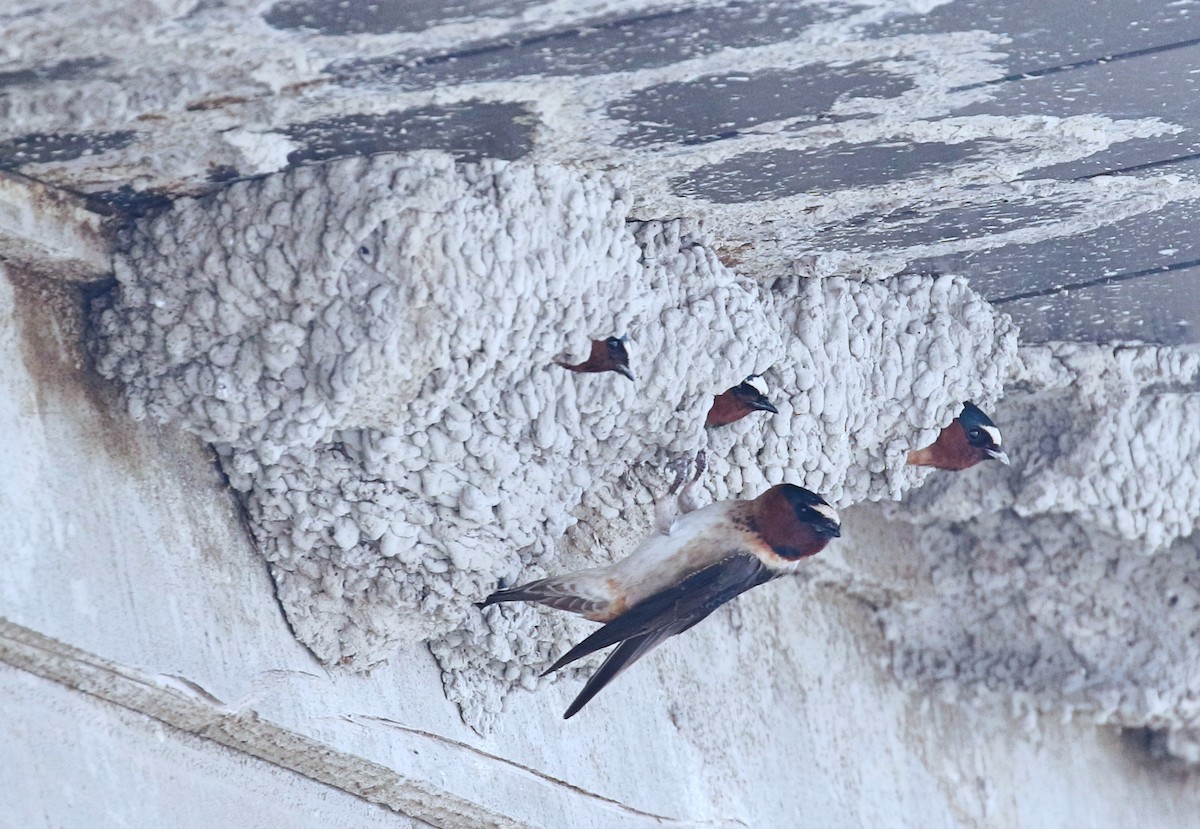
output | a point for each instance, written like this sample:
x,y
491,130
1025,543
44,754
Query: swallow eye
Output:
x,y
974,433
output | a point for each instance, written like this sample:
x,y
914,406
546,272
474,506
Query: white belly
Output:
x,y
696,540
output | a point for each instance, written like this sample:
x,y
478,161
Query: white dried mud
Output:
x,y
370,344
1068,584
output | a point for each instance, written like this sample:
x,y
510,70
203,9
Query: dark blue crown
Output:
x,y
973,416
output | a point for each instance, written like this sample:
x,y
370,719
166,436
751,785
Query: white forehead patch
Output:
x,y
993,433
759,384
829,512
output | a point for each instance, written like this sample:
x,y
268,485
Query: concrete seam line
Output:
x,y
202,716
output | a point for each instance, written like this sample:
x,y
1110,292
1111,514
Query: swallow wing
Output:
x,y
667,613
621,658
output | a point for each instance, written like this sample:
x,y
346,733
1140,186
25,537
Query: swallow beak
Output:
x,y
765,405
996,454
830,525
625,371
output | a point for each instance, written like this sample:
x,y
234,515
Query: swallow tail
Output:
x,y
551,592
621,658
516,594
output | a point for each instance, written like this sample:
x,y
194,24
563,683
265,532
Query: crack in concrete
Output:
x,y
183,704
1148,165
624,807
1079,64
1103,280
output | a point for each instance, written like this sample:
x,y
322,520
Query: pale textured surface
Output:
x,y
399,459
1063,583
717,115
825,147
116,768
161,579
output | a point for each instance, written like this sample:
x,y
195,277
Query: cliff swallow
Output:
x,y
970,438
673,580
608,354
745,398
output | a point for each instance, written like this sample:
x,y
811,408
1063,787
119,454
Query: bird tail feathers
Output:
x,y
552,592
621,658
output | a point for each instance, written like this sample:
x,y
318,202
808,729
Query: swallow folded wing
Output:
x,y
667,613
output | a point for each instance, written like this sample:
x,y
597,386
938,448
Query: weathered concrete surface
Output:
x,y
127,550
50,232
935,136
939,135
76,760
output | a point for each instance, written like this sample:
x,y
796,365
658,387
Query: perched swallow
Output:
x,y
745,398
608,354
970,438
673,580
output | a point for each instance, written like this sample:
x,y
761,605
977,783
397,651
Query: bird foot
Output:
x,y
678,468
679,501
687,496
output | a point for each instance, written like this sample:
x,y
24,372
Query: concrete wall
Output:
x,y
149,677
964,658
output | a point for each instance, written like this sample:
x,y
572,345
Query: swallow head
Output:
x,y
733,404
752,393
616,356
608,354
982,433
812,509
795,522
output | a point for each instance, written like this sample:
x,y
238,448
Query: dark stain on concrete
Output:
x,y
129,203
604,45
63,70
719,106
1141,245
760,176
40,148
383,16
51,326
1137,278
217,102
470,131
929,224
222,173
1154,306
1034,29
1156,84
